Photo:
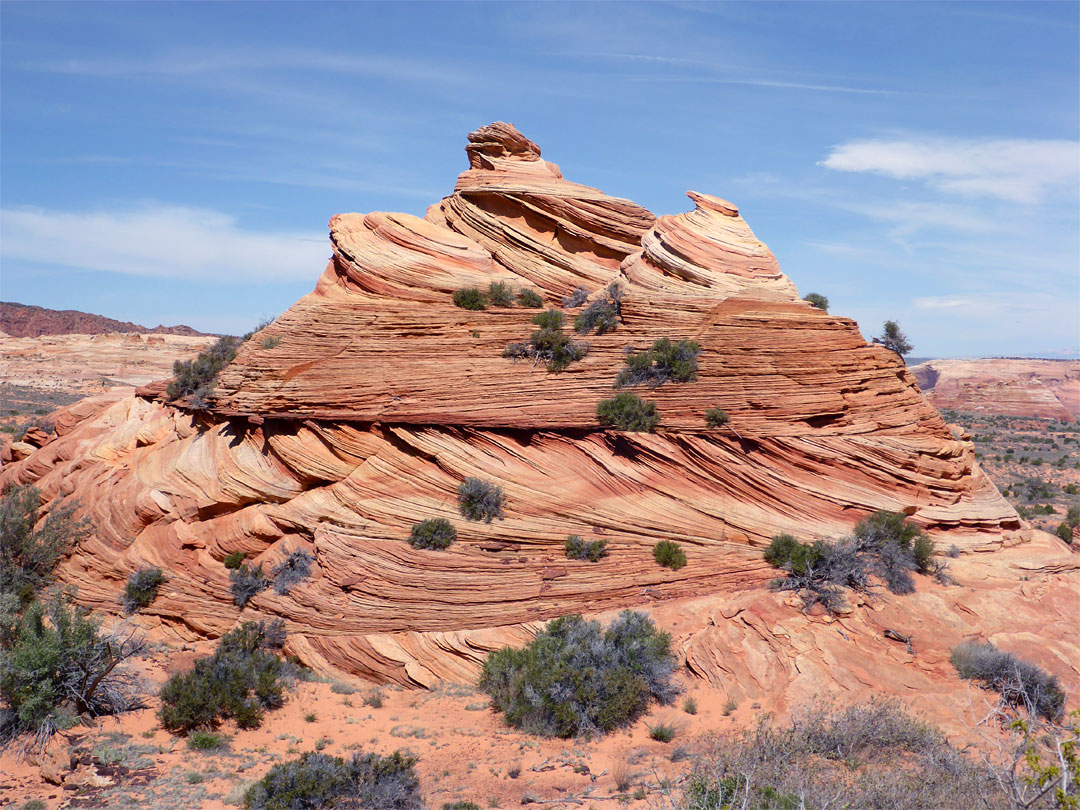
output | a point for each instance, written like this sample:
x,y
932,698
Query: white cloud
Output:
x,y
980,306
161,241
1021,171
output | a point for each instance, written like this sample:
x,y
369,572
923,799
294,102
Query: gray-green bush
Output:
x,y
480,500
246,581
602,315
665,360
1019,682
28,553
142,589
579,549
294,569
433,533
629,412
316,781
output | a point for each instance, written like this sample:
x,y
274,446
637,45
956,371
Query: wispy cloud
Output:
x,y
1023,171
161,241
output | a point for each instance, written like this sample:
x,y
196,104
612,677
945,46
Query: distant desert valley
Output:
x,y
804,569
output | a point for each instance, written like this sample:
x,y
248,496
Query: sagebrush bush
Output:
x,y
470,298
433,533
715,417
549,344
480,500
1019,682
576,299
316,781
627,411
665,360
28,555
577,677
57,664
195,379
602,315
530,299
241,680
579,549
233,560
669,554
246,581
294,569
142,588
817,300
500,294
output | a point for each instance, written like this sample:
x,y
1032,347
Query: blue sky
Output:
x,y
178,163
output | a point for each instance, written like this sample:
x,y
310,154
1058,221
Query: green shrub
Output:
x,y
500,294
206,740
195,379
577,677
530,299
28,555
480,500
56,664
434,533
662,732
1019,682
246,581
1065,532
714,417
142,589
470,298
799,558
628,411
576,299
666,360
233,560
294,569
817,300
602,315
549,344
892,338
241,680
316,781
690,706
578,549
669,554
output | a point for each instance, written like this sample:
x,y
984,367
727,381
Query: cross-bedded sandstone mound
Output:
x,y
360,411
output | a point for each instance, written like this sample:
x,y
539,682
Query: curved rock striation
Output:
x,y
361,409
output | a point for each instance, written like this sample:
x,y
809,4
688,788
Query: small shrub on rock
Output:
x,y
28,555
714,418
500,294
549,344
530,299
294,569
602,315
434,533
480,500
469,298
628,411
579,549
1019,682
241,680
233,560
142,589
576,299
247,581
818,301
669,554
195,379
577,677
316,781
666,360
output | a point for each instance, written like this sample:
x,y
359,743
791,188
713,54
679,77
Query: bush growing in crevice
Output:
x,y
669,554
56,664
470,298
246,581
628,411
142,589
316,781
666,360
233,560
294,569
576,299
28,555
817,300
500,294
529,299
577,677
433,533
1019,682
241,681
195,379
602,315
715,417
884,546
579,549
549,344
480,500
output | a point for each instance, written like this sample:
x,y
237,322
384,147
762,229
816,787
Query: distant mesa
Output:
x,y
23,320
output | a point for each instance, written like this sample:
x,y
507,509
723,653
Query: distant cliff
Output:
x,y
21,320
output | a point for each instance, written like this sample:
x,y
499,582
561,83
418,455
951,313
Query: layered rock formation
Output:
x,y
361,409
24,320
1048,389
